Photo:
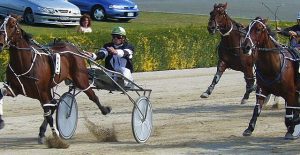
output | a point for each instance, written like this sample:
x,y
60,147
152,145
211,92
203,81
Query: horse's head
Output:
x,y
256,36
216,18
9,30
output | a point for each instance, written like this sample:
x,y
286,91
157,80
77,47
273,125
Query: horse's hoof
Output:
x,y
289,136
106,110
247,132
204,95
41,140
244,101
1,124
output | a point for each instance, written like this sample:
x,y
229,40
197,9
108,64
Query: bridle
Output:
x,y
253,45
3,29
217,26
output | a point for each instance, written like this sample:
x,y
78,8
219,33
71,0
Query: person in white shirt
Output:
x,y
85,24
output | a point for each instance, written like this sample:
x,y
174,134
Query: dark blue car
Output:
x,y
123,10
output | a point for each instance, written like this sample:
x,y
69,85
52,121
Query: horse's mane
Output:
x,y
58,42
26,36
270,31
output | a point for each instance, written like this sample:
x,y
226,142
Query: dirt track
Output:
x,y
183,122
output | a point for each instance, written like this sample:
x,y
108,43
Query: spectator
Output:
x,y
85,24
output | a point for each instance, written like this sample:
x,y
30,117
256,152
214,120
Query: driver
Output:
x,y
118,54
294,33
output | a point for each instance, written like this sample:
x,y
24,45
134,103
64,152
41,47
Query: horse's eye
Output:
x,y
258,30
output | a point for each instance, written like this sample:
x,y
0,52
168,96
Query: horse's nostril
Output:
x,y
247,48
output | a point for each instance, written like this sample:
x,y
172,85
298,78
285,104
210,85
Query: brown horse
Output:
x,y
276,72
29,70
229,49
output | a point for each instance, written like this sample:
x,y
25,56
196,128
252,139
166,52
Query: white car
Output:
x,y
58,12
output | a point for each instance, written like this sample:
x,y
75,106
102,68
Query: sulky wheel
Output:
x,y
67,115
142,119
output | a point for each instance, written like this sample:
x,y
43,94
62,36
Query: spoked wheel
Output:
x,y
98,13
142,119
67,115
28,17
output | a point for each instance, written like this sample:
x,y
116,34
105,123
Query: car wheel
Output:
x,y
98,13
28,17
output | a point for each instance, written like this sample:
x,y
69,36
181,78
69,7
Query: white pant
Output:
x,y
126,72
119,66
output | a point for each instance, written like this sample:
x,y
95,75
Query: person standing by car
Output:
x,y
85,24
294,33
117,54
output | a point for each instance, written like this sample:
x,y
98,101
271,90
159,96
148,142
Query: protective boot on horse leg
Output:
x,y
292,122
250,86
3,92
1,112
256,112
220,70
43,127
296,51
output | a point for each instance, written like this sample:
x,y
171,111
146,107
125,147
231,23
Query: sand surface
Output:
x,y
183,123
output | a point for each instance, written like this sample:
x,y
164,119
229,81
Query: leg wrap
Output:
x,y
3,92
1,107
289,115
216,79
48,115
256,113
43,128
250,84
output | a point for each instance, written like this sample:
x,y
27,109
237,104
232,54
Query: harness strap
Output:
x,y
228,32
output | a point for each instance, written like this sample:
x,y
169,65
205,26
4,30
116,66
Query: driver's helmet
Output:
x,y
298,15
118,31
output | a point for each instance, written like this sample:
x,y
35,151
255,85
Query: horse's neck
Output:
x,y
20,54
227,25
268,59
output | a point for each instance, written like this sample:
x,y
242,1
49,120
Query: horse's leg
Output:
x,y
249,87
92,96
3,92
43,128
260,97
81,81
220,70
1,112
292,120
49,109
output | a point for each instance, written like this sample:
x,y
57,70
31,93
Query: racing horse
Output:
x,y
229,49
30,72
276,72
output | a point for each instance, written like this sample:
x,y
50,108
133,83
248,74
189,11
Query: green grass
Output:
x,y
163,40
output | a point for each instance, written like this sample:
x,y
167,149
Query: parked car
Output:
x,y
123,10
59,12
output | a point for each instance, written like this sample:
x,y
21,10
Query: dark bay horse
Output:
x,y
229,49
276,72
29,70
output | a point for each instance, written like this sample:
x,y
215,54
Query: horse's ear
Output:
x,y
265,20
225,6
215,5
17,17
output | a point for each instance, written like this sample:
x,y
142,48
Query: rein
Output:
x,y
36,53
